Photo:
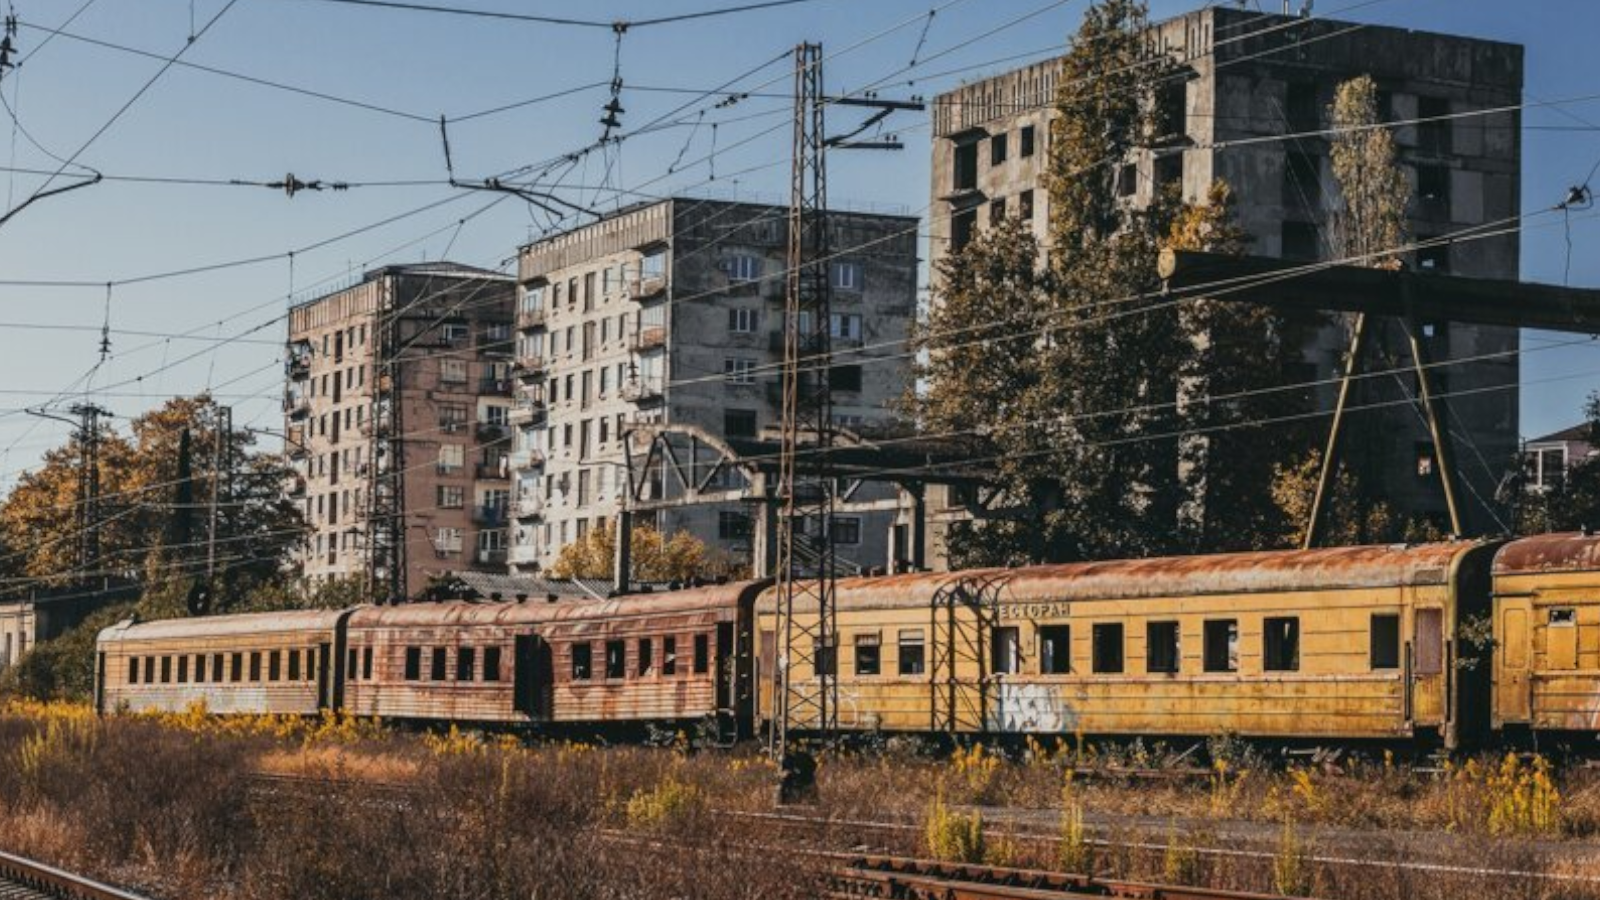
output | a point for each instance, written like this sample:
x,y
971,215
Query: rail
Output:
x,y
49,881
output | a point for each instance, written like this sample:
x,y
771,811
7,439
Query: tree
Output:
x,y
656,557
1093,394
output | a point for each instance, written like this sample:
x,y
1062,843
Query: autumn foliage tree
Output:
x,y
656,557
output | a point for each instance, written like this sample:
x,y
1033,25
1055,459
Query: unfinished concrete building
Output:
x,y
1247,105
670,313
403,379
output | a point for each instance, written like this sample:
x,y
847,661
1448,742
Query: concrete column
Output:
x,y
622,571
919,527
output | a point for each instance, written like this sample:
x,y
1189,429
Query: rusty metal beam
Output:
x,y
1330,454
1442,452
1317,287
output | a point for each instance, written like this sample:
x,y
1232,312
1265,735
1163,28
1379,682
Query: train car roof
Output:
x,y
224,626
1222,573
428,615
1563,552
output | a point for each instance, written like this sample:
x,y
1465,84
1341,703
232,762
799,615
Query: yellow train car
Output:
x,y
1344,643
281,662
1547,634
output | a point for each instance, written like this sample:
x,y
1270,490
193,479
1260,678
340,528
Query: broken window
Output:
x,y
582,658
1055,649
237,673
669,655
616,659
912,659
868,654
274,665
466,664
1433,183
966,166
491,664
1281,644
437,669
702,654
294,665
822,657
997,148
166,669
1004,644
1107,652
366,662
133,670
646,656
413,663
1222,645
1025,142
1161,651
255,665
1385,641
200,668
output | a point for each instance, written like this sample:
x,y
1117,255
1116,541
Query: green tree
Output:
x,y
1572,504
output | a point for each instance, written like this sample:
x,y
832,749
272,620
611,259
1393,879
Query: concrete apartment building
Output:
x,y
447,329
671,313
1248,75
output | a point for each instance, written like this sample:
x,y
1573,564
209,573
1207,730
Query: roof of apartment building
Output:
x,y
442,268
1579,433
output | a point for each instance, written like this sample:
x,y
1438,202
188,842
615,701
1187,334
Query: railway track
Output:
x,y
26,879
896,877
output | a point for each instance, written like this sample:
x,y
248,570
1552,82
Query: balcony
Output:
x,y
649,336
647,287
529,319
490,516
643,392
809,344
489,557
527,459
298,367
493,433
294,441
530,368
523,555
295,486
527,412
494,387
296,406
529,506
493,471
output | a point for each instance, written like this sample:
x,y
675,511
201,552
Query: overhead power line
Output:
x,y
575,23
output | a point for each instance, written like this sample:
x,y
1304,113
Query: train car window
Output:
x,y
311,664
869,656
437,670
294,665
1004,649
616,659
183,669
1161,650
669,655
255,665
200,668
582,657
823,659
912,659
1221,645
1385,641
1563,617
413,663
216,667
274,665
491,664
1106,649
350,668
133,670
646,653
702,654
1055,649
466,664
166,669
1280,644
238,668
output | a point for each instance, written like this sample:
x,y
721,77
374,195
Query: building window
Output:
x,y
847,530
447,540
1302,179
1281,644
742,321
913,659
1173,109
1221,638
997,211
1433,257
1427,461
452,496
739,370
1055,649
846,276
1385,650
844,378
1161,653
962,225
742,267
1433,183
732,526
452,457
1128,180
966,166
1025,207
1006,650
868,654
1300,241
997,148
452,371
739,423
1433,137
1025,142
1107,647
1168,169
452,417
1300,107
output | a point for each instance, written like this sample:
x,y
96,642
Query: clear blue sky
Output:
x,y
194,124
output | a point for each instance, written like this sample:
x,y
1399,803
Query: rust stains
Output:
x,y
1566,552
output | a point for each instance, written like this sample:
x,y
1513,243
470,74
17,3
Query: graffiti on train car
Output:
x,y
1031,707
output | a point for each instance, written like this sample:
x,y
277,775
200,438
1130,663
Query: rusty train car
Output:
x,y
1439,644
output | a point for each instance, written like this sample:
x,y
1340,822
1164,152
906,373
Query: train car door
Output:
x,y
532,677
1427,667
324,694
1513,694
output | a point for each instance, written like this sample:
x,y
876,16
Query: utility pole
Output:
x,y
221,468
386,486
806,560
89,483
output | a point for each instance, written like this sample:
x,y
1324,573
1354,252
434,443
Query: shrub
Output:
x,y
664,806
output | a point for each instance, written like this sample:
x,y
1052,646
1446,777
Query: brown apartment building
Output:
x,y
402,381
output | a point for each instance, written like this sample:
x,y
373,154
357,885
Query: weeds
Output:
x,y
954,836
1073,853
1291,864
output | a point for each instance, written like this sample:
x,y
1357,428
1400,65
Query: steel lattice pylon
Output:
x,y
805,685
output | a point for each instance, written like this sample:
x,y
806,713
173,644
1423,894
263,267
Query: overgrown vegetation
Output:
x,y
656,557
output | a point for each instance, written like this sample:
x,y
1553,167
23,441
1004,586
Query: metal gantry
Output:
x,y
805,574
